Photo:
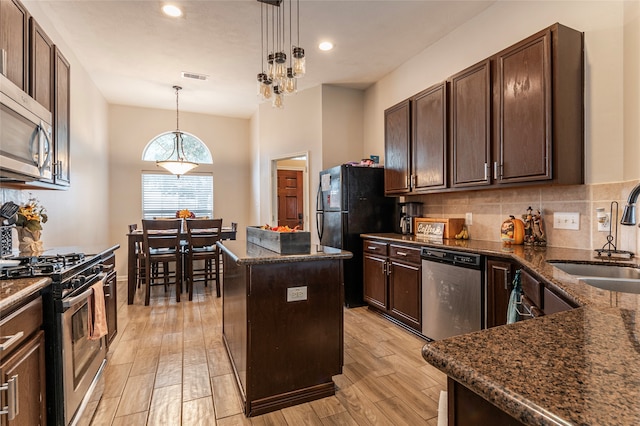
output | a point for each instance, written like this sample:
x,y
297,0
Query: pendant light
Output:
x,y
177,162
279,78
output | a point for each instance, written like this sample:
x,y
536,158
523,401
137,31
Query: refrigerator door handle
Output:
x,y
320,225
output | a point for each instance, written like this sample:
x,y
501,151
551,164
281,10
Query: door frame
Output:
x,y
303,156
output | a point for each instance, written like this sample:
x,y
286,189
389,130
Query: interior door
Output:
x,y
290,200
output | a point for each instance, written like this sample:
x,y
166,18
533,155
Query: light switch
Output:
x,y
566,221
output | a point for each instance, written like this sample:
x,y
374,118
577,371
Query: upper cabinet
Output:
x,y
14,45
61,119
471,126
416,143
41,66
514,118
397,148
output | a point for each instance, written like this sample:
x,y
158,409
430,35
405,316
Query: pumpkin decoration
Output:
x,y
512,231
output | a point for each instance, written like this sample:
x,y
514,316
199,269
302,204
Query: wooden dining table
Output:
x,y
226,233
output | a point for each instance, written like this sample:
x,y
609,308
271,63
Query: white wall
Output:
x,y
342,125
131,128
611,51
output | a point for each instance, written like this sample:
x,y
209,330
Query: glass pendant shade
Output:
x,y
277,98
299,65
291,85
177,167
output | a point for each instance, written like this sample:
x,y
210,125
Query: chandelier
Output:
x,y
177,163
279,76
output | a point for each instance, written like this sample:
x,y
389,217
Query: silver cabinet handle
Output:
x,y
401,253
12,409
372,248
11,340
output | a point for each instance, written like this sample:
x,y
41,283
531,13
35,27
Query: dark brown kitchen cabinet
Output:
x,y
41,65
539,109
397,148
471,126
393,281
22,365
429,139
499,285
14,41
111,299
61,119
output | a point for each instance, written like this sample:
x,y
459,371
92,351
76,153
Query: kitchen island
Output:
x,y
575,367
282,323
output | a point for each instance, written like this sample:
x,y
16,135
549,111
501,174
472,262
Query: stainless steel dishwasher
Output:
x,y
452,292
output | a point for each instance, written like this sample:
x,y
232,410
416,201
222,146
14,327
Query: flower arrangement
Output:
x,y
31,215
185,214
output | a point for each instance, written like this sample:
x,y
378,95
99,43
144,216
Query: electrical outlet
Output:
x,y
295,294
566,221
468,219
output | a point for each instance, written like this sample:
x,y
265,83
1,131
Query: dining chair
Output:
x,y
139,270
161,241
202,235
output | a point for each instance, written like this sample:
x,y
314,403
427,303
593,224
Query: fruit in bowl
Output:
x,y
281,228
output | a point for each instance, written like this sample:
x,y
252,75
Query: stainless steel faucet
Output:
x,y
629,212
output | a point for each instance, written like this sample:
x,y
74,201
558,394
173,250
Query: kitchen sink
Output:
x,y
624,279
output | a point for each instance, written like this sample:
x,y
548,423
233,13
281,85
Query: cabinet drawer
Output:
x,y
375,247
26,320
408,254
531,287
554,303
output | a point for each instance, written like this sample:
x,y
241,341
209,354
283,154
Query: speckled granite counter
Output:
x,y
245,253
13,292
576,367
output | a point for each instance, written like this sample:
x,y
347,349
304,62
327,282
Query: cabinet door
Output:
x,y
61,119
14,33
375,281
429,141
27,367
471,126
405,292
111,305
41,60
524,111
397,140
499,286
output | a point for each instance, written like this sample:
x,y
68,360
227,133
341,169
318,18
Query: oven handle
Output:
x,y
67,303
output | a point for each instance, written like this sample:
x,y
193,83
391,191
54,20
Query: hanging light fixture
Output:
x,y
280,77
177,163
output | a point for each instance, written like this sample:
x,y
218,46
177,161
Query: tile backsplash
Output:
x,y
491,207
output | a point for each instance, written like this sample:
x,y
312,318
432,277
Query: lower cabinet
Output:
x,y
499,286
22,366
111,299
393,281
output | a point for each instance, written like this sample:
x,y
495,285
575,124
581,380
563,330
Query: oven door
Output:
x,y
82,359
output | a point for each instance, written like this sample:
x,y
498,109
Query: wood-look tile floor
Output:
x,y
168,366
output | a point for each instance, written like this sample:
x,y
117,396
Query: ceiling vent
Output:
x,y
194,76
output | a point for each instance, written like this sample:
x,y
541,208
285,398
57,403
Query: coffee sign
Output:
x,y
433,230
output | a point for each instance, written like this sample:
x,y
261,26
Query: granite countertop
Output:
x,y
575,367
245,253
12,292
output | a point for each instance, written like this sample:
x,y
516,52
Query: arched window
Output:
x,y
163,145
163,194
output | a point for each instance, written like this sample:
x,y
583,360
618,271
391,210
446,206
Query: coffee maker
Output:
x,y
409,211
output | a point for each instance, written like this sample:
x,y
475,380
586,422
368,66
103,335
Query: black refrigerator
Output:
x,y
350,202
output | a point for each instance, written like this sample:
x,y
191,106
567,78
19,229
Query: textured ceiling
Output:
x,y
135,54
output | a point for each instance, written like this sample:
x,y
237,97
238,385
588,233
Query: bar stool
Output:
x,y
161,241
202,235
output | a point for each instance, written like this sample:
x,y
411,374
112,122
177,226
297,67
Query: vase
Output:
x,y
29,241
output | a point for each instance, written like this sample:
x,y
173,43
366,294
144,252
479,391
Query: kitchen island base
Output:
x,y
282,325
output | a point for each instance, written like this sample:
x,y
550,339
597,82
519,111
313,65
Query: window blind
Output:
x,y
164,194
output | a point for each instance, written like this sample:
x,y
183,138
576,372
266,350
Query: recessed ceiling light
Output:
x,y
171,10
325,45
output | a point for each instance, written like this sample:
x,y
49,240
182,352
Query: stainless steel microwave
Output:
x,y
26,145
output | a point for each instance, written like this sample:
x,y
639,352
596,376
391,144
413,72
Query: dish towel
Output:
x,y
514,299
97,313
